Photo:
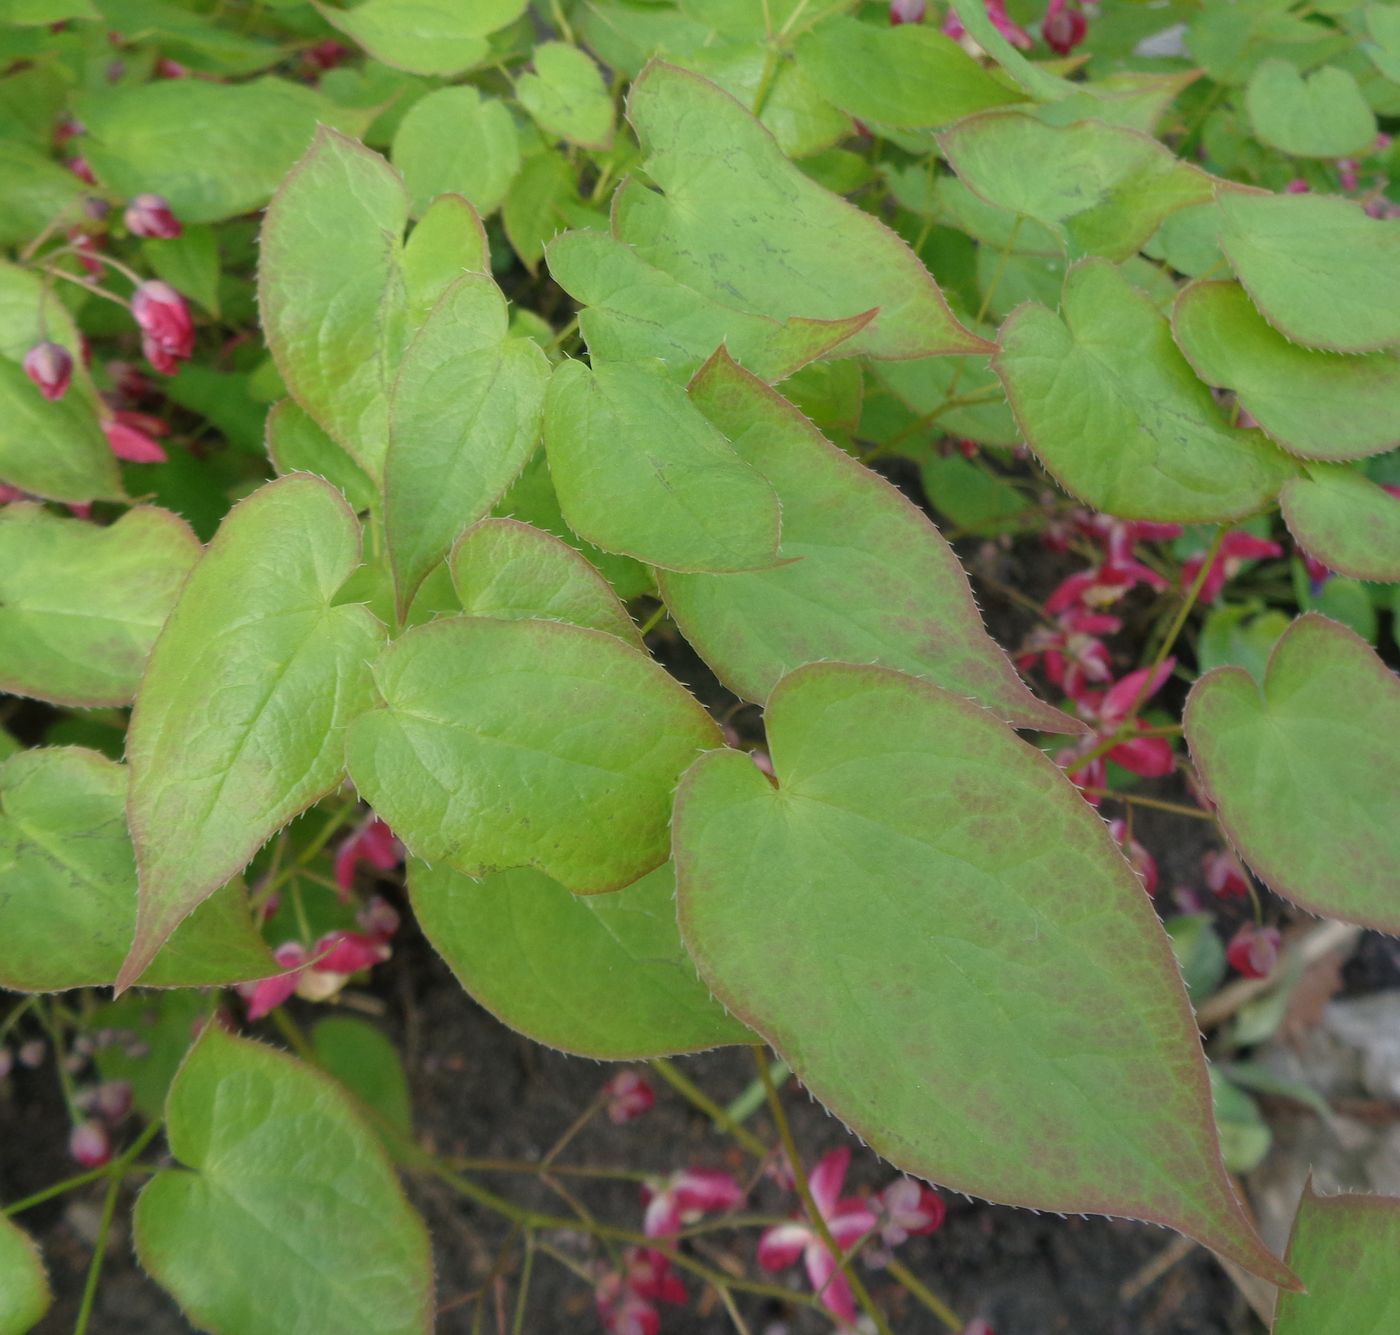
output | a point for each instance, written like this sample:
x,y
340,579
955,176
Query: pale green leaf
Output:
x,y
295,444
80,605
54,450
1321,405
1189,241
285,1214
1231,41
1304,770
446,242
864,578
1322,115
456,140
36,190
739,223
367,1064
925,387
1350,524
598,975
640,471
1320,270
503,568
24,1287
566,96
536,205
238,724
68,886
577,785
196,40
425,36
1133,99
1115,413
1383,25
924,907
189,263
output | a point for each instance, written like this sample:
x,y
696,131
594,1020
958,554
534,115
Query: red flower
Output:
x,y
1225,877
686,1196
1063,27
628,1096
50,366
149,215
1253,951
166,328
89,1146
374,843
342,952
80,169
127,434
907,11
996,11
267,994
1235,550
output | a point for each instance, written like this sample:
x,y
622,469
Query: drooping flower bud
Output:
x,y
166,328
628,1096
907,11
50,366
129,435
1064,27
150,215
1253,951
88,1145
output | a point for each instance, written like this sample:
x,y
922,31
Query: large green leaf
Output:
x,y
1320,270
465,417
68,886
80,606
295,444
214,150
527,743
286,1216
238,723
1322,115
640,471
1321,405
1103,189
598,975
566,95
330,289
1115,413
739,223
940,937
634,312
1346,1249
24,1287
908,76
864,576
1304,769
1340,516
456,140
425,36
503,568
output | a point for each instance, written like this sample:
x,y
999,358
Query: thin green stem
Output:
x,y
1134,799
307,855
1108,743
653,621
765,82
688,1090
518,1325
532,1167
16,1014
109,1208
898,1270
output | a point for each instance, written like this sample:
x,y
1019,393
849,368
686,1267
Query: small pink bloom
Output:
x,y
166,328
907,11
344,952
1138,857
978,1326
685,1197
129,443
378,918
1063,27
267,994
150,215
628,1096
129,380
80,169
111,1100
1237,548
1224,876
1348,175
327,55
50,366
648,1274
996,11
32,1053
1297,186
373,843
908,1208
623,1312
87,248
1253,951
66,129
171,69
88,1145
9,494
1147,757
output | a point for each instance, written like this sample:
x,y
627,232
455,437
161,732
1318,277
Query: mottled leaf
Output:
x,y
1340,516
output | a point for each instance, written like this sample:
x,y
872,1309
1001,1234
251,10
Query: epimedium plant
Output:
x,y
733,254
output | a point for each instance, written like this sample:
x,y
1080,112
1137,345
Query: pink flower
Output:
x,y
1235,550
50,366
150,215
373,843
1348,175
907,11
628,1096
127,435
685,1197
848,1221
88,1145
343,952
267,994
166,328
1063,27
648,1274
378,918
904,1208
1297,186
1070,654
1253,951
626,1301
1138,857
1224,876
171,69
87,248
80,169
996,11
111,1100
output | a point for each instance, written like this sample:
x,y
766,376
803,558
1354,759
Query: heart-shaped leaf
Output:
x,y
527,743
1115,413
1304,770
1321,405
1340,516
1322,115
286,1215
81,606
865,576
598,975
238,723
940,937
566,96
456,140
295,444
24,1287
442,37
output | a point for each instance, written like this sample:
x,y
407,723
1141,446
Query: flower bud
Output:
x,y
907,11
150,215
166,328
50,366
88,1145
1253,951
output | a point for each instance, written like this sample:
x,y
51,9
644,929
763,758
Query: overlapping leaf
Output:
x,y
566,95
1304,770
238,725
456,140
1322,115
939,915
425,36
1340,516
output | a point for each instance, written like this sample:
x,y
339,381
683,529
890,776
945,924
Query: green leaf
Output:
x,y
24,1287
68,886
909,76
925,907
1340,516
640,471
425,36
864,576
1189,241
1321,405
191,39
1038,82
567,97
1199,953
330,290
1115,413
1244,1134
189,263
1230,41
1321,116
503,568
976,502
742,225
295,444
446,242
286,1210
368,1065
1320,270
1383,26
237,727
1303,770
597,975
1345,1249
214,150
37,189
926,385
1133,99
536,206
1103,189
635,312
1240,636
578,784
81,606
456,140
